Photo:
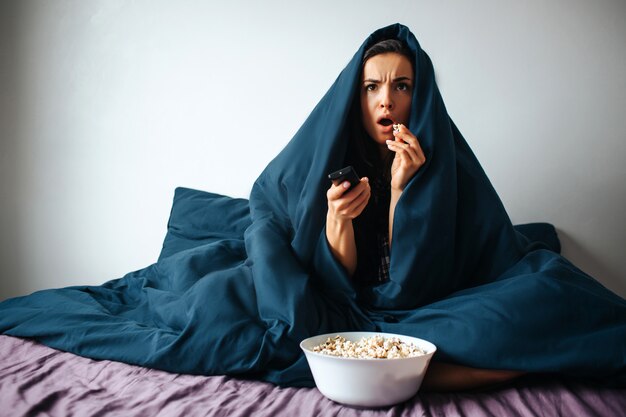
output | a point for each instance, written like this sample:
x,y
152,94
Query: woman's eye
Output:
x,y
370,87
403,87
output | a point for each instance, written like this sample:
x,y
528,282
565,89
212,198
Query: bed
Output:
x,y
37,380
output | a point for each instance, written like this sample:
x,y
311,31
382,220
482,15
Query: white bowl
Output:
x,y
367,382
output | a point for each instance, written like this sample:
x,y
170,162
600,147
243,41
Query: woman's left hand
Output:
x,y
408,160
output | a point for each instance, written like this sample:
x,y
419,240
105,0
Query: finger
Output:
x,y
402,132
411,152
358,189
398,146
336,191
408,157
416,151
346,208
407,136
416,148
345,200
361,199
359,209
405,152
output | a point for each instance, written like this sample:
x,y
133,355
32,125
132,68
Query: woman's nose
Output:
x,y
385,100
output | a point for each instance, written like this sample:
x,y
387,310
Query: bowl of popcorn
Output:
x,y
367,369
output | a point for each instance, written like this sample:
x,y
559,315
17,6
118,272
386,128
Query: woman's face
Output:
x,y
386,90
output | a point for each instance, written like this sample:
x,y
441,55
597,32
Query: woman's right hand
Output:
x,y
346,203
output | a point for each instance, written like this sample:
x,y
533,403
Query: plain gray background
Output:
x,y
107,106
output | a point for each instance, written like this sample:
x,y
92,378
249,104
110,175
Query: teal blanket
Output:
x,y
241,282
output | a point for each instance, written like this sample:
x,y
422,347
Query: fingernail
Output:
x,y
366,179
346,184
388,141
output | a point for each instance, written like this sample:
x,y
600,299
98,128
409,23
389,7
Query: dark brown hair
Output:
x,y
388,45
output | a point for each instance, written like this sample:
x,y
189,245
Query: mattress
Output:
x,y
38,380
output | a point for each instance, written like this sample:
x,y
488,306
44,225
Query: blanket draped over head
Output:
x,y
240,283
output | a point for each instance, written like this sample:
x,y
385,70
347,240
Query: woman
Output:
x,y
240,284
391,155
385,104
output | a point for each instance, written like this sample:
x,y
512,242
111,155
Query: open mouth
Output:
x,y
385,122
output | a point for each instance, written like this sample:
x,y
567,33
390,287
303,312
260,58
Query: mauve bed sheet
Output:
x,y
37,380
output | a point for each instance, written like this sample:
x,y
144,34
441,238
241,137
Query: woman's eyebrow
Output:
x,y
395,80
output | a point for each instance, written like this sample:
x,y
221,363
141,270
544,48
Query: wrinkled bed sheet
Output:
x,y
37,380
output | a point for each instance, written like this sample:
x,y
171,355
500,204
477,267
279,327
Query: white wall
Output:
x,y
107,106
